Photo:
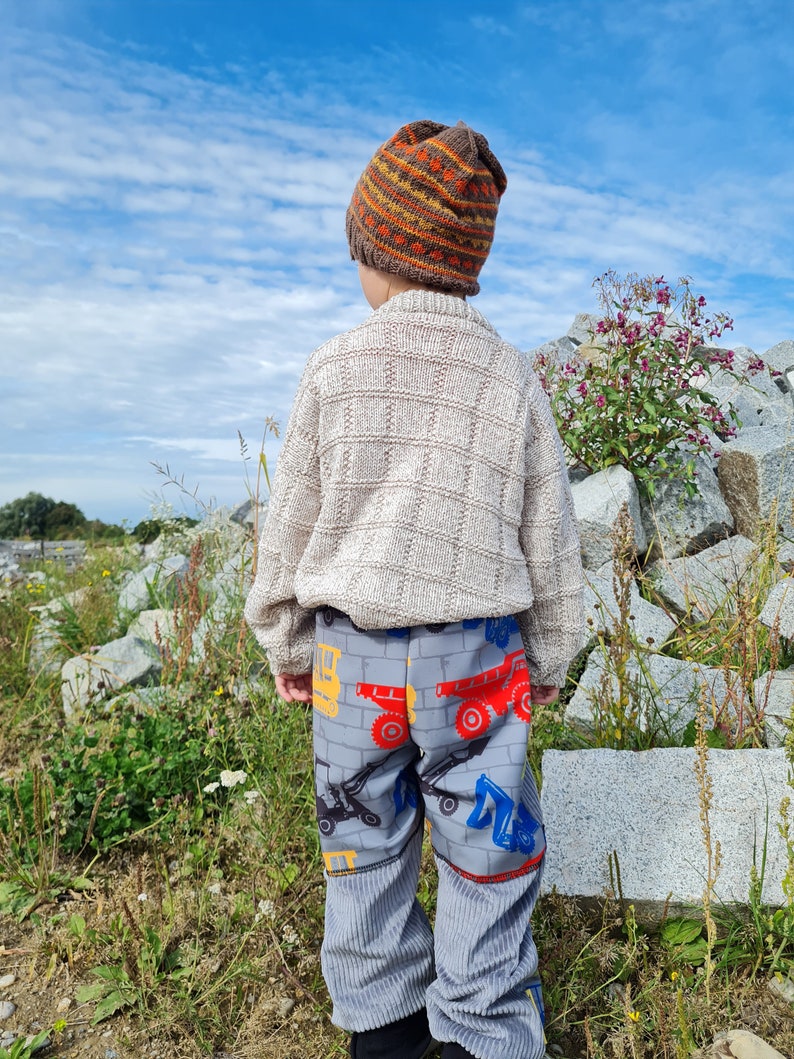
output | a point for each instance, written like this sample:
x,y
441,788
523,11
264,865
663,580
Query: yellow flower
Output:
x,y
634,1016
673,975
219,690
106,573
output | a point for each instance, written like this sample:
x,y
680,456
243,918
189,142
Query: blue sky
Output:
x,y
174,176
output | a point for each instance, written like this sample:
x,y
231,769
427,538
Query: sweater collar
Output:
x,y
434,303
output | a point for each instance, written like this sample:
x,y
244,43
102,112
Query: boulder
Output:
x,y
157,581
665,692
738,1044
127,661
650,625
644,808
558,351
598,500
701,582
150,623
675,524
779,607
773,694
583,328
756,472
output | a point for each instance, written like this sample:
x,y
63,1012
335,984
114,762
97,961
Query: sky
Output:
x,y
174,176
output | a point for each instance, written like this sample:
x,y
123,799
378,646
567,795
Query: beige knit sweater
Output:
x,y
421,479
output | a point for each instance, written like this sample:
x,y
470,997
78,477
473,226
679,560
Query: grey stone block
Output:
x,y
702,581
127,661
558,351
598,500
773,693
780,356
675,524
158,579
779,607
583,325
756,471
665,692
644,807
151,622
650,625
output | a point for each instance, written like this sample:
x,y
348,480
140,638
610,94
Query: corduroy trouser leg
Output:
x,y
428,721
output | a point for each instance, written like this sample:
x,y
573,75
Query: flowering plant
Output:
x,y
636,394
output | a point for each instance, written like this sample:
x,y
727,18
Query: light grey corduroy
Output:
x,y
421,479
378,947
379,954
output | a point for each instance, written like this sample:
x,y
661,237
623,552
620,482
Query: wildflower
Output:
x,y
218,690
106,573
143,897
289,935
251,796
673,976
644,364
231,779
265,909
214,889
600,400
634,1016
582,388
211,788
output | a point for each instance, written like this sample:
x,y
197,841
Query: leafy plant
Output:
x,y
638,397
25,1047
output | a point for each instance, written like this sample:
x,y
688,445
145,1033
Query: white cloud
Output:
x,y
172,249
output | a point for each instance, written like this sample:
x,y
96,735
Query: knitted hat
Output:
x,y
425,206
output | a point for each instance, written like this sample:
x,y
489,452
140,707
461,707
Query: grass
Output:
x,y
158,855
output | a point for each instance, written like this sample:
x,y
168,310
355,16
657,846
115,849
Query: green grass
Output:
x,y
190,913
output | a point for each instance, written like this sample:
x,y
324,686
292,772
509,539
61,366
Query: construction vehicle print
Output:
x,y
326,685
345,805
513,835
390,729
499,688
428,783
406,792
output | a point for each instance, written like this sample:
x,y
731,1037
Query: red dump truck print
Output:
x,y
390,729
495,689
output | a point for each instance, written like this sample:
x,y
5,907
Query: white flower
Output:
x,y
289,935
265,909
143,897
211,787
231,779
214,888
251,796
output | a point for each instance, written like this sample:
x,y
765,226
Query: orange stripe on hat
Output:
x,y
425,206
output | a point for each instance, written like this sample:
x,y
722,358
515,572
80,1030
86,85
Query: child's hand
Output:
x,y
543,694
293,688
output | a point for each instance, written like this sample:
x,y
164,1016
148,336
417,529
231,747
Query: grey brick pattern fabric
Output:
x,y
421,479
428,725
424,723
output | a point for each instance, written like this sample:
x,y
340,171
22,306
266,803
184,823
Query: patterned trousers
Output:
x,y
426,727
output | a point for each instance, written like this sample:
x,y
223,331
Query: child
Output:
x,y
420,551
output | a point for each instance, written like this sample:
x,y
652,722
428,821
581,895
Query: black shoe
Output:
x,y
408,1038
455,1051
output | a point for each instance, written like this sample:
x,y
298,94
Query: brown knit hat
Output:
x,y
425,206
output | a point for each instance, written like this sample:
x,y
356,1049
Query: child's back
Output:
x,y
421,559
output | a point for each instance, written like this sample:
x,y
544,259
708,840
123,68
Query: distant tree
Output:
x,y
26,517
62,521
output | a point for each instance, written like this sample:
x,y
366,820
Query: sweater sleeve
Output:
x,y
280,624
552,629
